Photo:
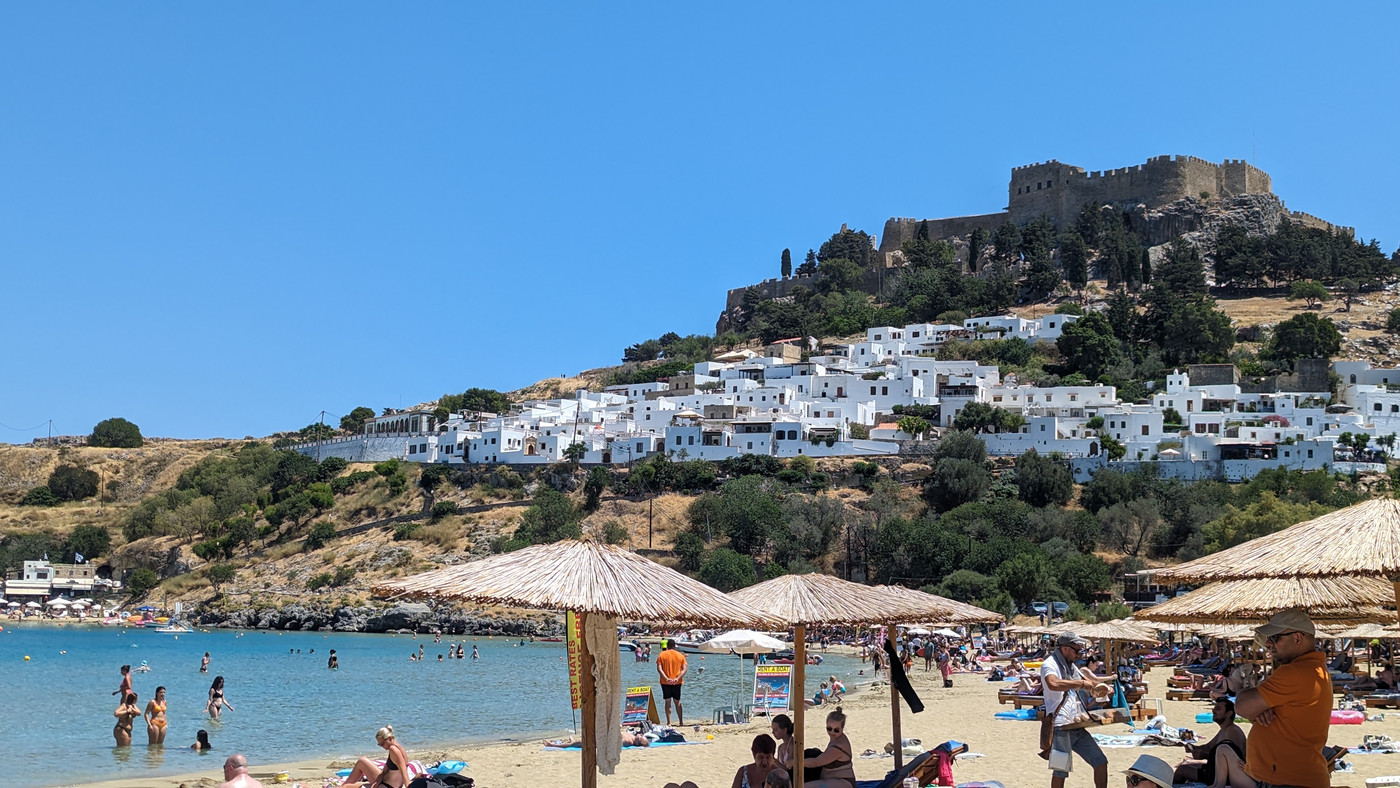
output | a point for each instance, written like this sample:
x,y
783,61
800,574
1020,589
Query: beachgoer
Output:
x,y
236,773
777,779
945,666
837,688
125,713
1149,772
671,668
783,731
439,658
217,699
367,773
1061,682
475,654
1200,767
755,774
1291,709
332,663
629,739
412,657
201,741
204,663
155,718
836,760
125,686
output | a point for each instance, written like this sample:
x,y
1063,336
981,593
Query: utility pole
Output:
x,y
320,435
650,501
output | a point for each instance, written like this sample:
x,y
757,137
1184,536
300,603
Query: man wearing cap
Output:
x,y
1291,709
1061,681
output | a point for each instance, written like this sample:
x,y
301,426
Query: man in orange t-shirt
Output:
x,y
670,666
1291,710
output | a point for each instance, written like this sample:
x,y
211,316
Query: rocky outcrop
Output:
x,y
1199,221
401,617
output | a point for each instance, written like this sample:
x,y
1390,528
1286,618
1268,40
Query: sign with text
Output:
x,y
636,706
772,687
573,625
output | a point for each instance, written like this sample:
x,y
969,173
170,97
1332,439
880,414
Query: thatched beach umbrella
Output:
x,y
960,612
1123,630
587,579
1346,600
808,600
1358,541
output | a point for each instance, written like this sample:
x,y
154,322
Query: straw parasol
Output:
x,y
1354,600
820,600
1358,541
585,578
1123,630
961,612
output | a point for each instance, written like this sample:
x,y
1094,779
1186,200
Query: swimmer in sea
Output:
x,y
125,713
204,663
126,682
475,654
332,663
201,741
217,699
155,718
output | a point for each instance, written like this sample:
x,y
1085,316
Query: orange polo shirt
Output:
x,y
672,662
1288,751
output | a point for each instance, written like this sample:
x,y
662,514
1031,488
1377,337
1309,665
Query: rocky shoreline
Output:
x,y
403,618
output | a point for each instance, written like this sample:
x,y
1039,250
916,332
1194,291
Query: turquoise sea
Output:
x,y
287,705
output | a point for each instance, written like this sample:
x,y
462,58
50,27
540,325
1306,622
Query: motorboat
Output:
x,y
172,626
692,641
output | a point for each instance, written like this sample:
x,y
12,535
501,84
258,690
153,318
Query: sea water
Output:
x,y
288,706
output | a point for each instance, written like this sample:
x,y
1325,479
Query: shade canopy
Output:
x,y
1124,630
743,641
1360,540
1354,600
823,600
32,604
583,577
57,603
948,633
959,612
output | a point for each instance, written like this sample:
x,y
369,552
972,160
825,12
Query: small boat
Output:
x,y
693,640
550,640
171,626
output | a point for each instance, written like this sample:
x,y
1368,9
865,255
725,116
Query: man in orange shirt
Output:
x,y
1291,710
670,666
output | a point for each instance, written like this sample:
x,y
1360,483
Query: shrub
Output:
x,y
398,482
320,534
219,574
791,476
341,576
819,481
331,467
434,475
39,496
802,464
71,483
727,570
404,530
116,433
343,484
320,496
387,468
141,581
614,532
442,509
209,549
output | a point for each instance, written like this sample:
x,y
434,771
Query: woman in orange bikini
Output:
x,y
155,718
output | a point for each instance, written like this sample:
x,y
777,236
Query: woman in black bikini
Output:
x,y
125,713
367,773
835,760
217,699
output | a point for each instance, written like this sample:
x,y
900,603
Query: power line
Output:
x,y
43,423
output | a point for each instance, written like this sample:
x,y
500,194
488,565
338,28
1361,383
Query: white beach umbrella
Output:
x,y
948,633
741,642
32,604
917,631
80,604
57,603
12,604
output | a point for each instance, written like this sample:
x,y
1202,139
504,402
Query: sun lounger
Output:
x,y
1021,701
1387,701
1177,693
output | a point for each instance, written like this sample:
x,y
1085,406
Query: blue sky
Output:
x,y
220,219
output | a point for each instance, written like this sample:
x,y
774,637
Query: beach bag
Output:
x,y
1047,729
442,781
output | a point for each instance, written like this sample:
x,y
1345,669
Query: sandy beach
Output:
x,y
963,712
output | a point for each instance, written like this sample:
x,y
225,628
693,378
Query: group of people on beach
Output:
x,y
154,713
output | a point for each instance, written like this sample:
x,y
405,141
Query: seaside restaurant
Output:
x,y
38,581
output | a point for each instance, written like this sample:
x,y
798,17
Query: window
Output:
x,y
750,444
1042,428
915,335
1310,421
690,440
1144,429
412,449
872,390
877,337
1310,454
678,440
1376,407
884,390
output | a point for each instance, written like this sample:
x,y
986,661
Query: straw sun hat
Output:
x,y
1154,769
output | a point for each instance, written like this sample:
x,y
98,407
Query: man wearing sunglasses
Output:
x,y
1291,709
1062,681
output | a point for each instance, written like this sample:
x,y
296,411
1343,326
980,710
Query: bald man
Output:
x,y
236,773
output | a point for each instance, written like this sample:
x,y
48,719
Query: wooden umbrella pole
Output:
x,y
798,697
894,704
587,707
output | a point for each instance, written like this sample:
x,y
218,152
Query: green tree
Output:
x,y
1025,576
116,433
956,482
551,517
319,495
1006,240
354,421
443,509
219,574
1303,336
593,486
787,263
960,445
1349,290
321,533
1043,481
914,425
1128,526
976,244
40,496
71,483
1314,293
839,276
1089,346
1392,321
809,264
749,513
727,570
982,416
966,585
854,245
141,581
1261,518
1083,576
89,541
690,550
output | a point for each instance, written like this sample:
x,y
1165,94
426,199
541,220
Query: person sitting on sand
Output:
x,y
836,760
783,730
1200,767
754,775
236,773
201,742
629,739
367,773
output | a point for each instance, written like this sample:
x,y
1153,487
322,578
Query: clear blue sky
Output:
x,y
220,219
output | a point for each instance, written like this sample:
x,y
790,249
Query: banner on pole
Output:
x,y
772,687
573,626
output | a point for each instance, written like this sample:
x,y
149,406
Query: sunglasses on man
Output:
x,y
1275,638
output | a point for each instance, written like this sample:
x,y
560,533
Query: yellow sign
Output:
x,y
574,627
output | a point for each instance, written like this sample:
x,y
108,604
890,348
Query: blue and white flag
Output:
x,y
78,558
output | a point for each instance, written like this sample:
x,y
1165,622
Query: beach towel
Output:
x,y
600,632
901,681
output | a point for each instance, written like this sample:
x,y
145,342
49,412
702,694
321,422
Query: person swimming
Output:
x,y
155,718
201,742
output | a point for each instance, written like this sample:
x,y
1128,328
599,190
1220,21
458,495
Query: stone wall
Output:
x,y
899,229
